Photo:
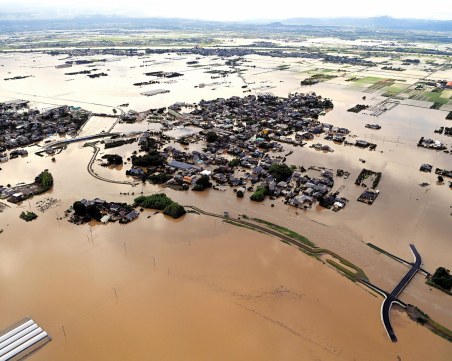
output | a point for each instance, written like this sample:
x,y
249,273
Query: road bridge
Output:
x,y
391,298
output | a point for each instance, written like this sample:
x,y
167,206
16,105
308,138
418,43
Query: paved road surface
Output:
x,y
391,298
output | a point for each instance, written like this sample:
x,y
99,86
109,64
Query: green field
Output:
x,y
368,80
392,90
434,97
319,71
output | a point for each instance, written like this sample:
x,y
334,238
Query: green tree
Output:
x,y
28,216
159,178
79,208
211,137
281,172
234,162
93,212
174,210
259,194
442,278
155,201
113,159
45,179
203,182
153,158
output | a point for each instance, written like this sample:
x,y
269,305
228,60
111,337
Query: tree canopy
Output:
x,y
281,172
211,137
154,201
45,179
203,182
442,278
162,203
114,159
153,158
259,194
174,210
234,162
79,208
93,212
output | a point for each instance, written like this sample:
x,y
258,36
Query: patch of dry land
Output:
x,y
198,288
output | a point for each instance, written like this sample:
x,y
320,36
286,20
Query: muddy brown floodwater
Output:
x,y
201,289
216,292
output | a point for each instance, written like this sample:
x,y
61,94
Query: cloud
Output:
x,y
231,9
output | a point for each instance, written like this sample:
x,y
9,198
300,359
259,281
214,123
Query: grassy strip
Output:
x,y
314,250
349,274
360,274
287,232
378,249
416,314
305,245
242,225
440,330
430,283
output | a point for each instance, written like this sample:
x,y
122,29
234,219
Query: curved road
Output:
x,y
391,298
95,175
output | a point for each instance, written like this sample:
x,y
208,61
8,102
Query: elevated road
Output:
x,y
60,143
391,298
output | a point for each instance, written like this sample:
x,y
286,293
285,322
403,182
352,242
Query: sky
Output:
x,y
229,10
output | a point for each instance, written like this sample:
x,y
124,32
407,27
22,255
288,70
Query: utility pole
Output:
x,y
64,332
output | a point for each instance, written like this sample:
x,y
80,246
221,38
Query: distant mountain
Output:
x,y
385,22
7,23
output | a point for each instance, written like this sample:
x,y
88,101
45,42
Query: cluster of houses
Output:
x,y
21,126
431,144
108,212
245,171
228,52
443,172
245,131
266,117
19,193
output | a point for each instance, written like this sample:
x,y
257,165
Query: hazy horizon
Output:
x,y
234,10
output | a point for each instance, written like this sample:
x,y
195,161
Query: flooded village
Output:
x,y
229,134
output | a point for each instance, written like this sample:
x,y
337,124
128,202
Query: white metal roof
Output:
x,y
21,339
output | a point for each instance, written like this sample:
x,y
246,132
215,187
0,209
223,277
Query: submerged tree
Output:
x,y
45,179
280,171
